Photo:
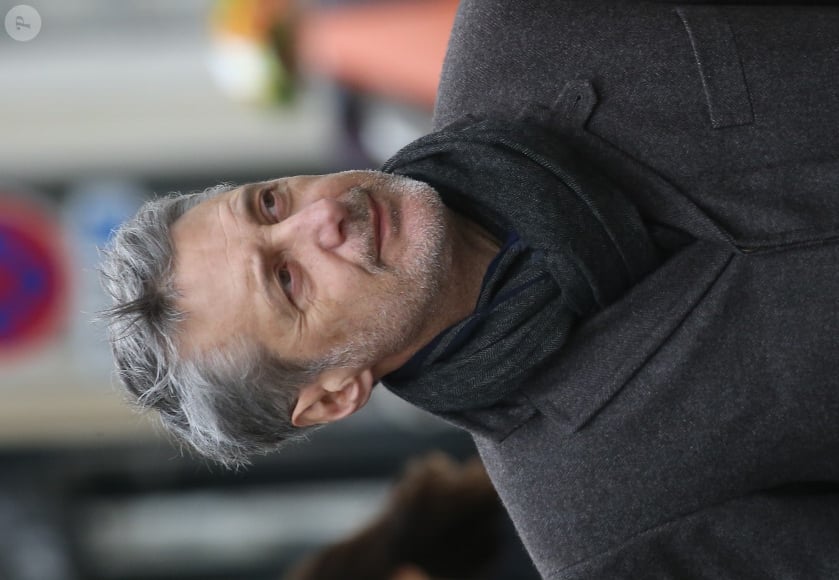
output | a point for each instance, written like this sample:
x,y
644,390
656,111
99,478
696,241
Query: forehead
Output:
x,y
208,247
201,230
198,216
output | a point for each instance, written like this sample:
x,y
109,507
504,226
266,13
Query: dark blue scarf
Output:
x,y
575,243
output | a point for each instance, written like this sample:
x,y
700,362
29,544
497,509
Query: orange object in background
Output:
x,y
392,49
252,19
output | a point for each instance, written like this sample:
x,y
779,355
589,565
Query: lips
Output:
x,y
378,226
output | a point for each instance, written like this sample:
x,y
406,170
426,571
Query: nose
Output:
x,y
321,222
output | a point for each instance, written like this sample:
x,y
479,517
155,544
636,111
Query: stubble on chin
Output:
x,y
408,293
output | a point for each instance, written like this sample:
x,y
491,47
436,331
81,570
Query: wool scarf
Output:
x,y
574,244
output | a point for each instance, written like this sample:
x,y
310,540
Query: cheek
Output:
x,y
350,309
344,288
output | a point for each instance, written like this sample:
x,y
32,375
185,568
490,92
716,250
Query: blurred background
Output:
x,y
103,104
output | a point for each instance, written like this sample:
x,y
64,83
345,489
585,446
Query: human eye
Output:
x,y
269,204
286,281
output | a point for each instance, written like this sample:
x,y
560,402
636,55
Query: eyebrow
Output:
x,y
247,203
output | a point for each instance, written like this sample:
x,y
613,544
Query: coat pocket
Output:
x,y
720,69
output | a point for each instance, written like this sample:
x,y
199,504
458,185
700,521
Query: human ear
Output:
x,y
334,395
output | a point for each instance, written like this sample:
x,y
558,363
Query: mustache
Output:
x,y
358,228
356,201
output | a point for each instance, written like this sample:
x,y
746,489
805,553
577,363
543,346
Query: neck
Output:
x,y
472,250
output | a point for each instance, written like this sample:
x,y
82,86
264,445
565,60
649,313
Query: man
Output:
x,y
628,297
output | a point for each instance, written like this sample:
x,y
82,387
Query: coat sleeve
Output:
x,y
782,534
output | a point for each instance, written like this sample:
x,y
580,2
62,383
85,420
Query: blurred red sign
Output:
x,y
33,281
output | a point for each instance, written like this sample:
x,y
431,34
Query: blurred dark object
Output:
x,y
383,59
32,543
442,520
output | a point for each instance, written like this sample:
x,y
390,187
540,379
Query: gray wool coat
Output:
x,y
691,429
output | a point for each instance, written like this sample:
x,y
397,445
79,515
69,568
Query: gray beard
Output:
x,y
412,290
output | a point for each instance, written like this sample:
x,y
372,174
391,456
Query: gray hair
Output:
x,y
227,404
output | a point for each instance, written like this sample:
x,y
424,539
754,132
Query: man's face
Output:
x,y
344,267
